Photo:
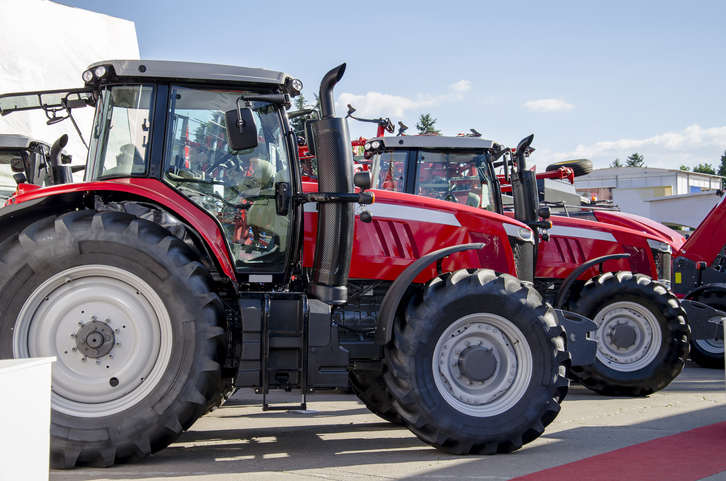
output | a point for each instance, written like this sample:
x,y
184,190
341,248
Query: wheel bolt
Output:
x,y
116,331
73,335
457,351
93,318
107,320
84,359
454,364
98,362
110,355
118,344
80,323
74,349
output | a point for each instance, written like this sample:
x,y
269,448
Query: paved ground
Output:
x,y
343,441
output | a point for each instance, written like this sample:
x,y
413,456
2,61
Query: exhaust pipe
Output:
x,y
59,173
526,203
334,245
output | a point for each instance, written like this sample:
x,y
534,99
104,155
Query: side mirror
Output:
x,y
241,129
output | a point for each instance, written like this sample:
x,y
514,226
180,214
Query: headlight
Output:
x,y
367,146
375,144
660,246
525,234
87,76
100,71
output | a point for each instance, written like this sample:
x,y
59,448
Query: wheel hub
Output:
x,y
623,335
628,336
95,339
482,364
477,363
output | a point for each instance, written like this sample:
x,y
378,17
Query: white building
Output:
x,y
672,197
45,46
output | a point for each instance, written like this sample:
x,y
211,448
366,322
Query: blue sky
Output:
x,y
597,80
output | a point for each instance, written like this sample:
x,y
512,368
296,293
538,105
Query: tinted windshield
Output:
x,y
238,188
121,131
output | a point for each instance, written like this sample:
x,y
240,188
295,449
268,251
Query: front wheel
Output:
x,y
642,335
709,353
134,323
478,364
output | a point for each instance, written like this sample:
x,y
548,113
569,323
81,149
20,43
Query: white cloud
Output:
x,y
375,104
691,146
548,105
461,86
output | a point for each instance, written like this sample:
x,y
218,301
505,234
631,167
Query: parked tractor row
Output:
x,y
195,259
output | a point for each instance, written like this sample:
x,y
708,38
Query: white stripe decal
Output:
x,y
559,230
403,212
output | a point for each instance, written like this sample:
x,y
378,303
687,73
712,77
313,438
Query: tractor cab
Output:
x,y
457,169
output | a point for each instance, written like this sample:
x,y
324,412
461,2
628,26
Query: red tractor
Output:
x,y
193,260
693,258
615,275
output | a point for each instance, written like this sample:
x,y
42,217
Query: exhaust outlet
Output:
x,y
336,221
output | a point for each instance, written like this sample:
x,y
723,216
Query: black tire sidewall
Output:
x,y
610,288
136,428
448,309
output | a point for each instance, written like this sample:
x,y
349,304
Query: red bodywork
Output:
x,y
709,238
403,229
574,241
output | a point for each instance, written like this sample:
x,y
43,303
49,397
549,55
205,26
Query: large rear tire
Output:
x,y
478,365
642,335
709,353
373,392
134,323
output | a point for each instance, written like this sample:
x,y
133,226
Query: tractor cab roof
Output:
x,y
109,70
429,142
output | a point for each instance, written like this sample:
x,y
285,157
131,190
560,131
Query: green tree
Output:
x,y
426,125
298,123
705,169
616,163
685,167
722,167
635,160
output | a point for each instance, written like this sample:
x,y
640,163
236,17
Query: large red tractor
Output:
x,y
615,275
193,260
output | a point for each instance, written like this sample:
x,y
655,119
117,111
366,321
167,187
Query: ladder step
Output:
x,y
285,407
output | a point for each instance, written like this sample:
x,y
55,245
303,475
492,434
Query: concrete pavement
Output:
x,y
339,439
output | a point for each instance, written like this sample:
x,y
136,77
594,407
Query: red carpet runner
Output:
x,y
687,456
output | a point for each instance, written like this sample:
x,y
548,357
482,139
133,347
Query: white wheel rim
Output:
x,y
509,365
710,346
85,307
628,336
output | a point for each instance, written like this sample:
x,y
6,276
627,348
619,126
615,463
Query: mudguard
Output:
x,y
572,277
389,305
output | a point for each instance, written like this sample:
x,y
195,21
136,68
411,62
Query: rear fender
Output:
x,y
572,277
389,305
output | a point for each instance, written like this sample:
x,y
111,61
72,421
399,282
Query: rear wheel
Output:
x,y
133,321
373,392
642,335
709,353
478,365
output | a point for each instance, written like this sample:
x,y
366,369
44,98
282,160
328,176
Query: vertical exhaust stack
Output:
x,y
333,250
526,203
